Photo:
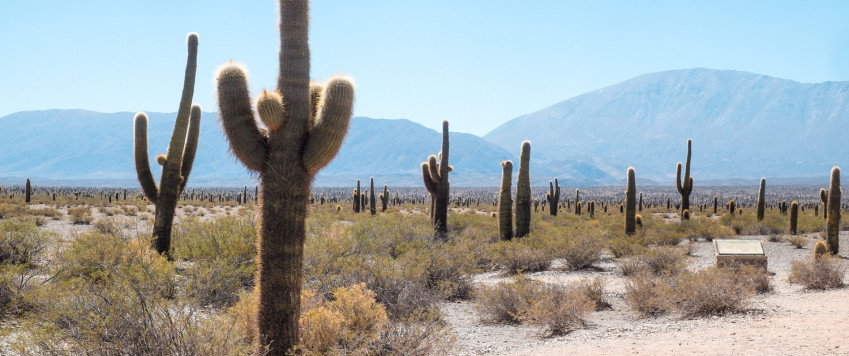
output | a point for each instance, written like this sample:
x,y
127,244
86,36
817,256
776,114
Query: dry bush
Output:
x,y
593,289
621,246
505,302
422,332
582,249
649,294
80,215
23,249
798,241
824,273
518,257
661,260
559,310
351,322
47,212
713,291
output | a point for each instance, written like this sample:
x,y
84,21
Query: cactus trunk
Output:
x,y
28,192
553,197
685,187
371,199
794,216
435,177
523,192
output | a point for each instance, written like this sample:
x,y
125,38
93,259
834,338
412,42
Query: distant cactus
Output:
x,y
794,215
177,165
715,201
638,220
505,202
640,206
384,198
824,198
732,207
553,197
371,200
761,202
833,221
630,202
435,176
523,192
305,124
338,208
685,187
28,192
578,208
577,201
356,198
591,208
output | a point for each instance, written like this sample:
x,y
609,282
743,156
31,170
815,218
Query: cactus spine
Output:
x,y
833,221
523,192
305,124
761,202
177,165
631,202
685,187
28,191
505,202
794,216
372,202
553,197
435,177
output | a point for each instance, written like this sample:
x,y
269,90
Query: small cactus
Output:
x,y
384,199
630,202
686,214
732,207
824,198
505,202
715,201
794,215
761,200
553,197
28,192
820,250
372,201
638,220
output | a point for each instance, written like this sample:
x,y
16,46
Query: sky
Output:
x,y
476,63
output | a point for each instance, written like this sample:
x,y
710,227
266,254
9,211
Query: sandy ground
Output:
x,y
786,321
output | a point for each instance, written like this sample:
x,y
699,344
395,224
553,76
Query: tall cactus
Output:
x,y
685,187
384,198
356,198
177,164
761,200
372,202
523,192
577,201
505,202
27,192
833,221
553,197
305,124
435,177
794,217
631,203
824,198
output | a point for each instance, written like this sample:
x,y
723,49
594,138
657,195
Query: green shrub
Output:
x,y
80,215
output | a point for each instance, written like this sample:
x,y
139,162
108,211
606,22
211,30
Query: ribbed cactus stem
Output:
x,y
384,198
523,192
715,201
631,202
824,198
371,200
435,178
833,221
177,165
685,187
761,200
553,197
356,198
577,201
312,126
794,217
28,192
505,202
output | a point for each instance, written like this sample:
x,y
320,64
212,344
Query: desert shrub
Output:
x,y
798,241
349,323
422,332
593,289
8,210
110,226
621,246
753,277
823,273
704,228
22,242
661,260
216,282
582,249
713,291
518,257
559,309
505,302
80,215
630,265
649,294
231,238
46,212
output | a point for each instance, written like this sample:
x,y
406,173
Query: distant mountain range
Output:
x,y
744,126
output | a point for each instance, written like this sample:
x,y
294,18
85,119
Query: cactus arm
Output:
x,y
678,179
428,182
688,182
331,125
246,141
271,111
171,169
191,147
293,78
151,192
316,89
433,170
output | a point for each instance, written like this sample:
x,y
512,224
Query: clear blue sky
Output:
x,y
475,63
